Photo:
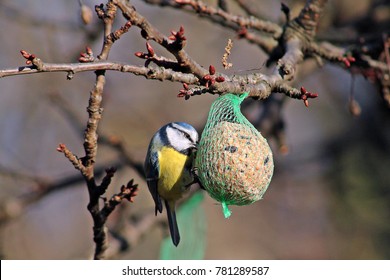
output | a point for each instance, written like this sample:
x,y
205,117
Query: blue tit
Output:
x,y
168,168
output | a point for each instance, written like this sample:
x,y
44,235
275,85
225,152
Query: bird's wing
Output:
x,y
152,170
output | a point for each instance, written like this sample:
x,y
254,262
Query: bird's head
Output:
x,y
180,136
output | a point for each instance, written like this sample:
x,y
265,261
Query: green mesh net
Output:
x,y
192,226
234,162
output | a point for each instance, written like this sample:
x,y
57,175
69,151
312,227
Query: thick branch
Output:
x,y
87,163
298,37
309,16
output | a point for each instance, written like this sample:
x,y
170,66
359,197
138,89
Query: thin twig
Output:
x,y
73,68
13,208
248,22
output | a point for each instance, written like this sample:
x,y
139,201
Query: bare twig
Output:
x,y
174,43
138,226
104,139
73,68
127,192
77,163
248,22
13,208
228,49
247,7
266,43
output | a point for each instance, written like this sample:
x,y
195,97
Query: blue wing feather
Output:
x,y
152,170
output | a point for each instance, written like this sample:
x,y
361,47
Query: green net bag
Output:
x,y
192,226
234,161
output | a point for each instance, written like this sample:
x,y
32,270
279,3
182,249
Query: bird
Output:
x,y
168,168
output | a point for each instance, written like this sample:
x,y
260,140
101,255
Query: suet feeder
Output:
x,y
234,161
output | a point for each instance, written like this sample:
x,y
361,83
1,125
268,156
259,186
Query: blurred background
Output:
x,y
330,193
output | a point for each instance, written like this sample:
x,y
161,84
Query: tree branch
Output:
x,y
258,85
87,163
13,208
248,22
73,68
266,43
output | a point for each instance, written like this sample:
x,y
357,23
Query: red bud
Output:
x,y
219,79
150,49
61,147
140,54
207,77
88,50
211,69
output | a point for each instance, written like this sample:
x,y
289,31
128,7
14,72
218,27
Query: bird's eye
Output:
x,y
186,135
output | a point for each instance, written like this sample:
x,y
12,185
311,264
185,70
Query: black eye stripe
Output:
x,y
184,132
186,135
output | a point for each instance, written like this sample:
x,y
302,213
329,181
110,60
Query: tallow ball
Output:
x,y
235,163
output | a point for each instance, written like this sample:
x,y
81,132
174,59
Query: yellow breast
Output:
x,y
174,175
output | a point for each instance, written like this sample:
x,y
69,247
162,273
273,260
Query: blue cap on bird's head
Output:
x,y
184,125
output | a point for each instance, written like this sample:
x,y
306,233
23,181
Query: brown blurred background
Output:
x,y
329,197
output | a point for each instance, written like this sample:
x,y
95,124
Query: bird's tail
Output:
x,y
174,230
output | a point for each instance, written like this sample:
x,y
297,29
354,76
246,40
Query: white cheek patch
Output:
x,y
192,132
177,140
194,135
